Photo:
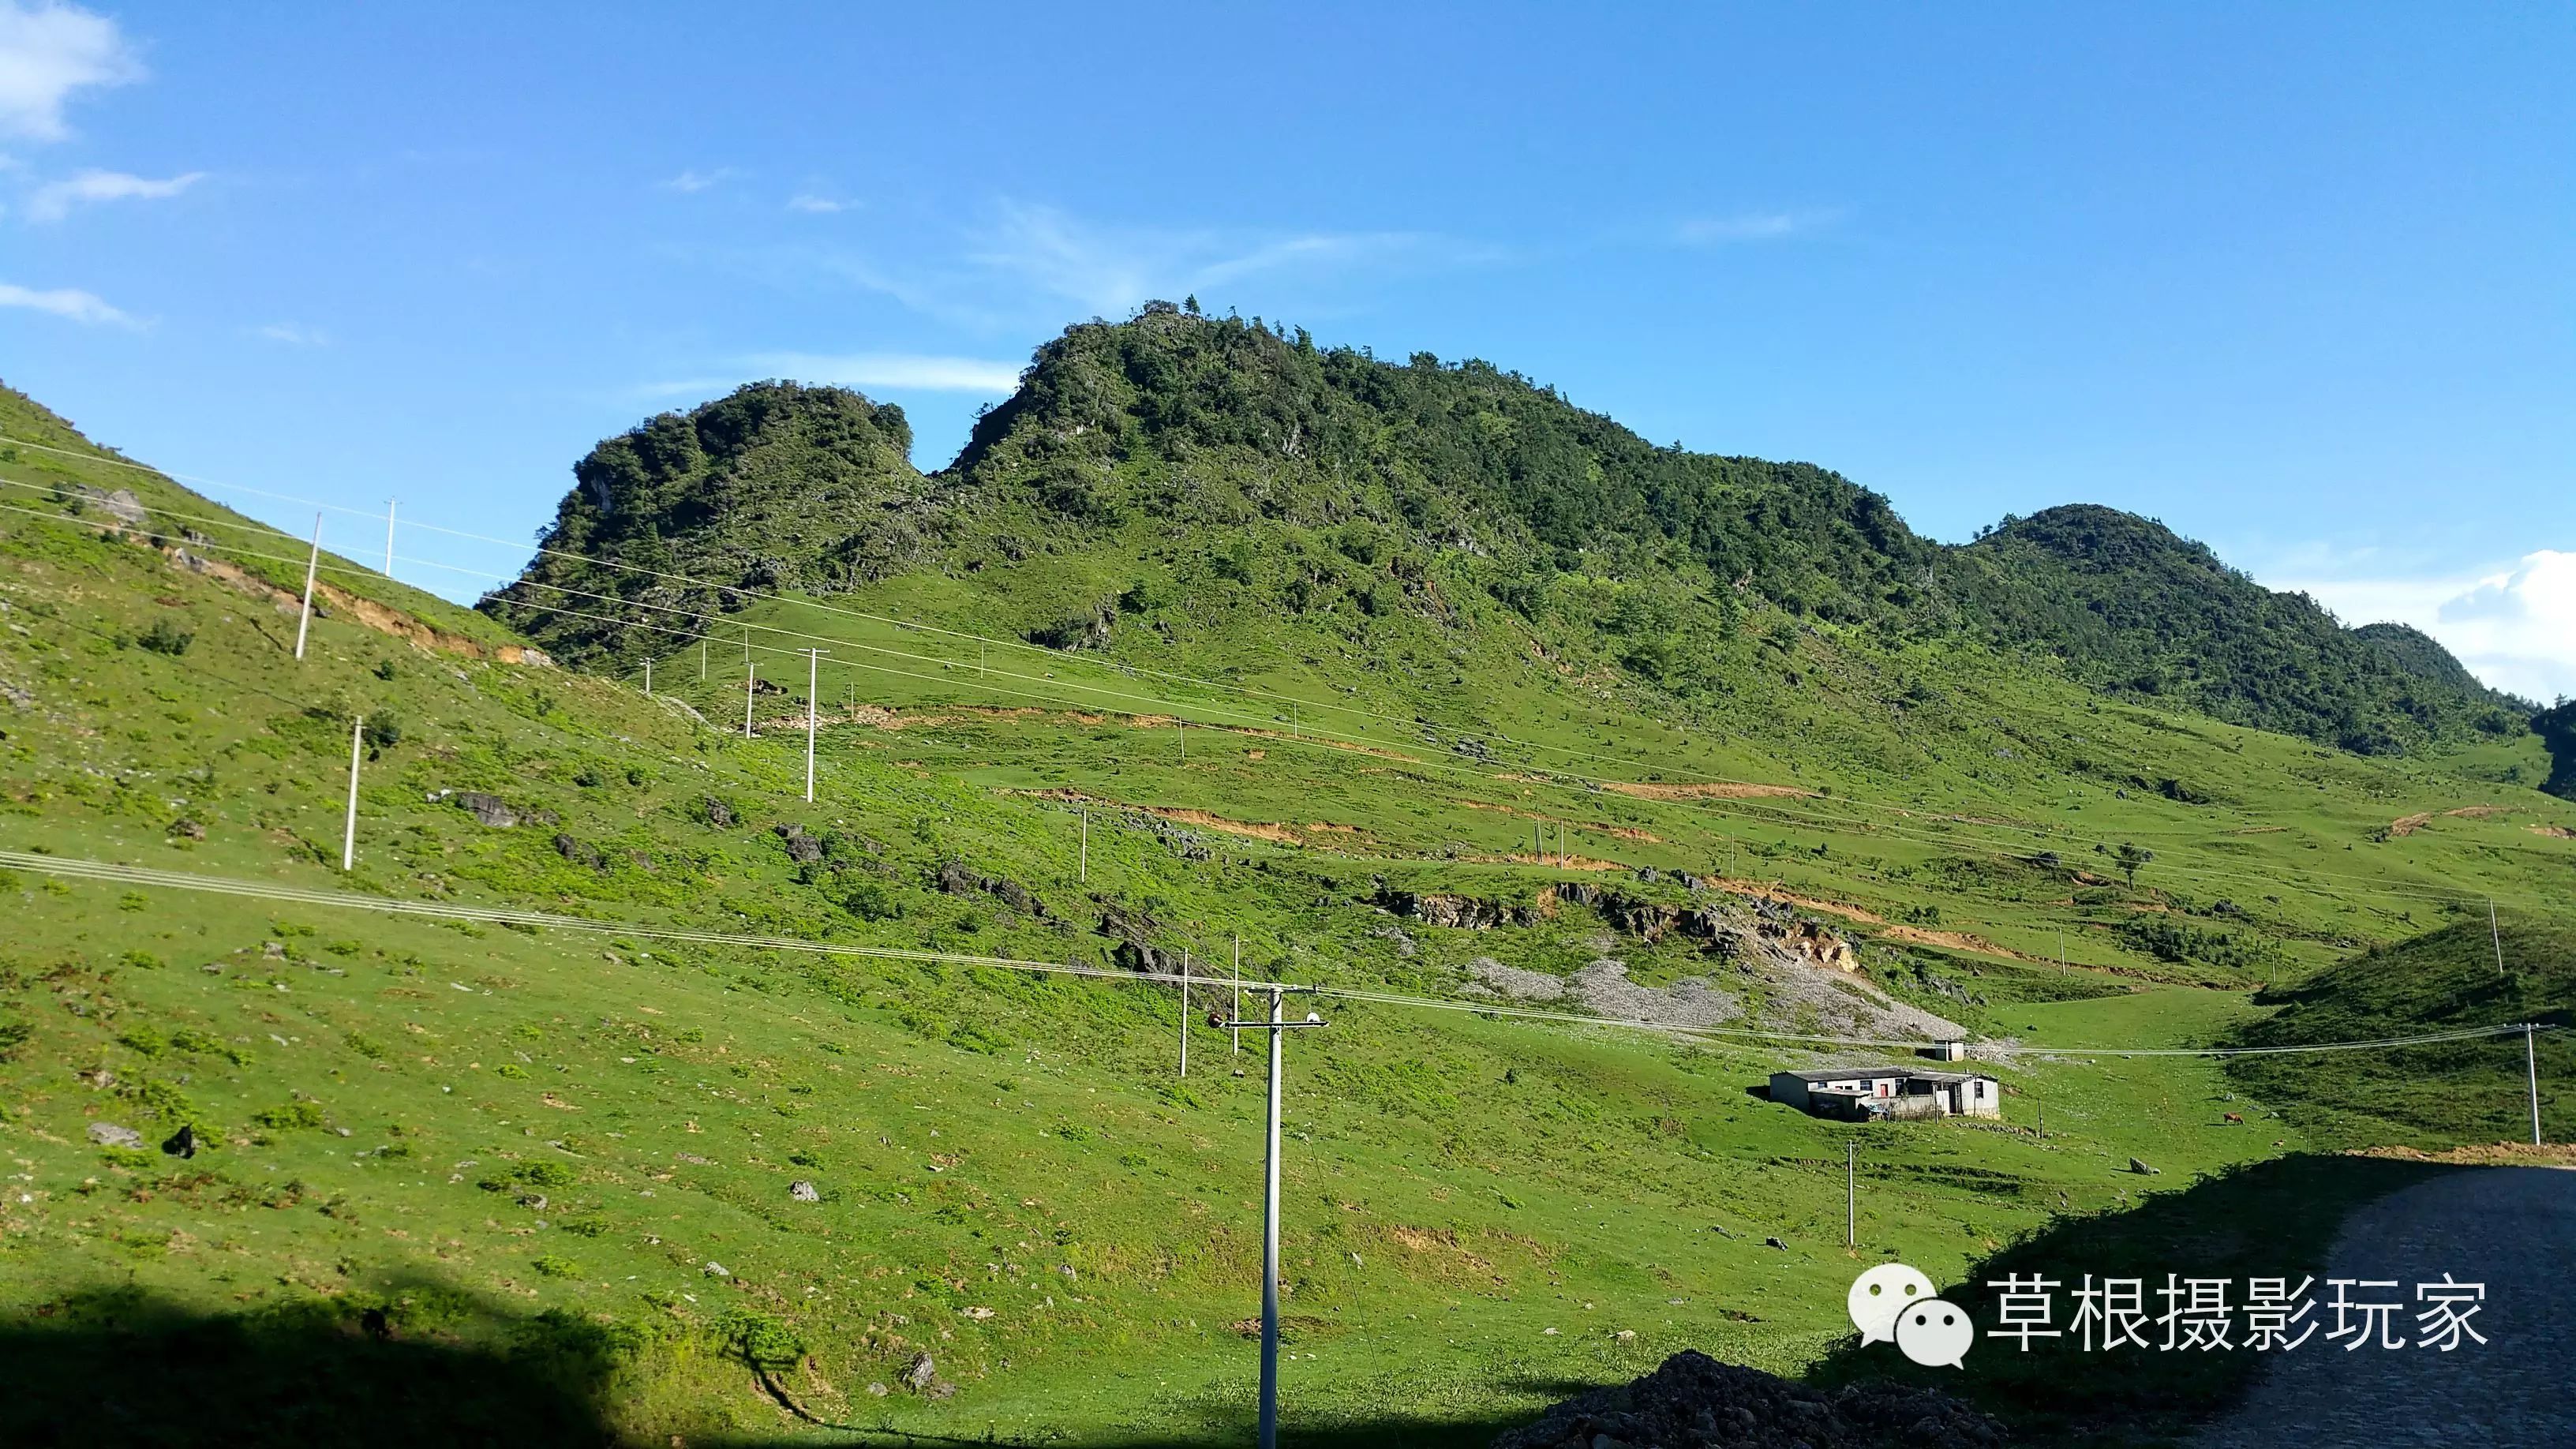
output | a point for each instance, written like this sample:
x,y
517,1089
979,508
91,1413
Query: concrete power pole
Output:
x,y
349,831
813,666
2531,1068
1851,1194
312,565
2496,936
1278,1026
1185,1011
389,538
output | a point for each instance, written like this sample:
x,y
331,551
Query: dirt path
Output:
x,y
2511,1228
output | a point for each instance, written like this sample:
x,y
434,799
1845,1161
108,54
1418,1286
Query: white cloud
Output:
x,y
1752,226
290,334
67,302
819,205
692,181
2514,627
49,51
893,369
54,200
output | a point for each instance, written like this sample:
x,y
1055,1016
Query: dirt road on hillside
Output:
x,y
2511,1228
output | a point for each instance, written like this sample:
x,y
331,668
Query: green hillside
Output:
x,y
553,1168
2425,1096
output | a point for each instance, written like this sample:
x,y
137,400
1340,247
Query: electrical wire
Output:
x,y
1741,810
114,873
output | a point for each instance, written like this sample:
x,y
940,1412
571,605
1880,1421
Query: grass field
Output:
x,y
527,1149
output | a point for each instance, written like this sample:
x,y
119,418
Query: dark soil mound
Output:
x,y
1695,1402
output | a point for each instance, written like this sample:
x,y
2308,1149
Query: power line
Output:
x,y
115,873
1741,810
983,640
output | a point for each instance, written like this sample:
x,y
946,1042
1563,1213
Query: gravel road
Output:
x,y
2511,1228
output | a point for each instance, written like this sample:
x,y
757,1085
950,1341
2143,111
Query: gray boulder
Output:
x,y
108,1134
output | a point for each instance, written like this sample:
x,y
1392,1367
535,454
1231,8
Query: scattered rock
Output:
x,y
108,1134
719,814
876,1391
272,950
182,1143
1693,1400
939,1389
802,847
717,1270
919,1373
803,1191
2140,1168
978,1314
578,853
190,829
1775,1243
1626,1335
490,810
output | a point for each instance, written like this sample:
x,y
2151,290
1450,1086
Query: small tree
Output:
x,y
2130,858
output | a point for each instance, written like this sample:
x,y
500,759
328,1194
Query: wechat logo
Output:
x,y
1892,1303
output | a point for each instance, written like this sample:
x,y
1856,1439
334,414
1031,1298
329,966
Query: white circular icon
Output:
x,y
1935,1334
1880,1294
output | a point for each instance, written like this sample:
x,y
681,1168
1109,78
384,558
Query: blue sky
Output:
x,y
2300,280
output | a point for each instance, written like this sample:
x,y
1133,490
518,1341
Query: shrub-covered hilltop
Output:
x,y
1186,465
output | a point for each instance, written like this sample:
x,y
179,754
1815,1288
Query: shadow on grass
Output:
x,y
429,1365
2266,1219
119,1367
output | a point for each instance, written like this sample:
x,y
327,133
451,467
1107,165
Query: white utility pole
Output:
x,y
1184,728
702,659
1278,1025
1238,994
1851,1194
349,831
648,676
2495,936
1185,1011
748,669
389,538
312,565
2531,1066
1082,869
813,664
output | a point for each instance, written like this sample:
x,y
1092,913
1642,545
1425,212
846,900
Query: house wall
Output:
x,y
1789,1089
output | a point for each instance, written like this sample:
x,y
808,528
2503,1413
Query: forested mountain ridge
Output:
x,y
1260,449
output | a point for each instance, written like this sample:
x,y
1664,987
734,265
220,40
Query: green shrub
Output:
x,y
289,1116
165,637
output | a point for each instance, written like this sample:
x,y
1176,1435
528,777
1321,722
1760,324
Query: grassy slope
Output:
x,y
1486,1177
2427,1096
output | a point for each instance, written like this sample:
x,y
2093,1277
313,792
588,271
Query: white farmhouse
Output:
x,y
1861,1094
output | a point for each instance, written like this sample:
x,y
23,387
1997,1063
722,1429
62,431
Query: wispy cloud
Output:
x,y
819,205
66,302
48,52
289,334
1751,226
893,369
1111,269
693,181
55,200
2514,626
902,371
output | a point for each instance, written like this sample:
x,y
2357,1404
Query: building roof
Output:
x,y
1839,1074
